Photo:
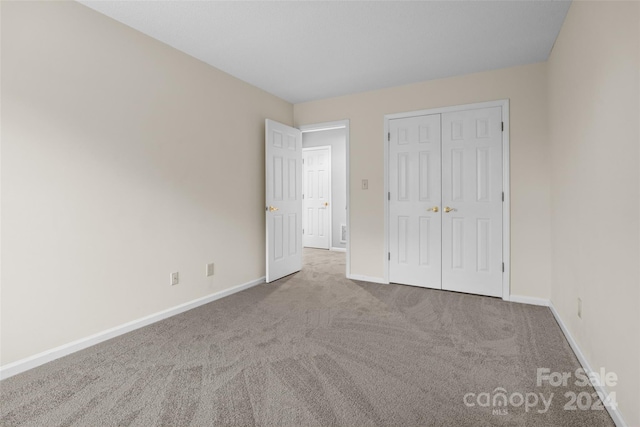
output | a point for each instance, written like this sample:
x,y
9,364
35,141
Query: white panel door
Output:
x,y
472,201
316,184
283,153
414,201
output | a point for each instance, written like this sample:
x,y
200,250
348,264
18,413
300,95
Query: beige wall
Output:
x,y
593,122
120,165
526,88
117,153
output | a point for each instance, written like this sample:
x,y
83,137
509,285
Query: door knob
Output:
x,y
434,209
272,209
326,203
447,209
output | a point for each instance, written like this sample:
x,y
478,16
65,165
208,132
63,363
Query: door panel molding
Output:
x,y
479,131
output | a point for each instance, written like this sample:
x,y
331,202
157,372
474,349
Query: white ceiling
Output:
x,y
308,50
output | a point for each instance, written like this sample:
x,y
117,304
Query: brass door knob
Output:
x,y
434,209
326,203
447,209
272,209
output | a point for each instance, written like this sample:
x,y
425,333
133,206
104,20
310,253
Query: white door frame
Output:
x,y
506,212
330,210
339,124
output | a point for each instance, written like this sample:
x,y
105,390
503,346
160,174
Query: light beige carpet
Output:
x,y
313,349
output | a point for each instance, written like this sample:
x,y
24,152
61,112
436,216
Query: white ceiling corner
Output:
x,y
307,50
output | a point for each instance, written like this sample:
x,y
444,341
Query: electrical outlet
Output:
x,y
579,308
209,270
365,184
175,278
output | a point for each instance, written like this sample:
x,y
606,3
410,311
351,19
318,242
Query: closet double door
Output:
x,y
445,201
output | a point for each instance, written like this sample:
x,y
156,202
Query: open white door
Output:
x,y
283,169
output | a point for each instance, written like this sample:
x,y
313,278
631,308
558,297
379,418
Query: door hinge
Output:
x,y
388,136
503,267
502,196
389,256
389,195
303,231
502,126
302,161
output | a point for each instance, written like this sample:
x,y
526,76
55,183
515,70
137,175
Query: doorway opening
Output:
x,y
325,181
324,189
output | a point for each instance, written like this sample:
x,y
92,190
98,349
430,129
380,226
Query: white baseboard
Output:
x,y
367,279
529,300
30,362
338,249
614,412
